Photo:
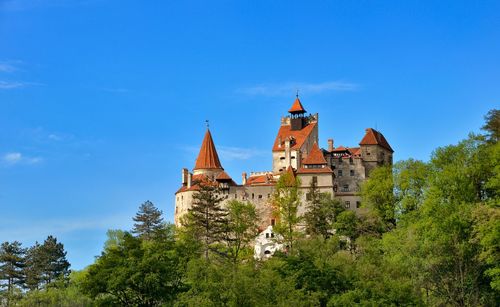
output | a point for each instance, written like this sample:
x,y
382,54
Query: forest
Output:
x,y
427,234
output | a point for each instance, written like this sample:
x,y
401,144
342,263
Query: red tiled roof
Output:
x,y
340,148
223,176
373,137
315,156
355,151
299,136
297,107
208,158
257,179
324,170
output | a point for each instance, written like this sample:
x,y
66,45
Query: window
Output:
x,y
272,235
267,235
235,195
345,188
273,221
335,188
340,173
358,204
282,158
347,204
352,172
292,157
253,196
268,195
260,196
333,166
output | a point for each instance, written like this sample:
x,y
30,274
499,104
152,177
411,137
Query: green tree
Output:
x,y
206,220
136,272
241,227
321,212
286,202
378,195
148,221
492,125
410,181
11,269
55,264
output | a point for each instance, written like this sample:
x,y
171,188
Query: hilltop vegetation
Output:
x,y
428,235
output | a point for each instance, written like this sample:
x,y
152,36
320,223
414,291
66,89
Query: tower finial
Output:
x,y
297,94
207,123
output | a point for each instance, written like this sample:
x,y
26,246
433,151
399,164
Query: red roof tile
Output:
x,y
208,158
373,137
297,107
315,156
223,176
299,136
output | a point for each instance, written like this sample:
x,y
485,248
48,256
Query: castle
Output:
x,y
336,170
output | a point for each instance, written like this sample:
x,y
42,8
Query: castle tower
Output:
x,y
208,162
375,150
295,138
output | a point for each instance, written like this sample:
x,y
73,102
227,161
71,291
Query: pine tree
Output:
x,y
206,219
45,263
322,210
55,265
148,221
11,267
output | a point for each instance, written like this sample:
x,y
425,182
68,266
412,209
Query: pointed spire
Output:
x,y
208,158
297,107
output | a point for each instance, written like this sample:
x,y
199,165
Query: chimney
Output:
x,y
185,175
330,144
189,179
244,178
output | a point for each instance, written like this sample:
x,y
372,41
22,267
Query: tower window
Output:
x,y
260,196
253,196
347,204
340,173
351,172
345,188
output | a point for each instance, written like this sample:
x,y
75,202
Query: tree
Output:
x,y
207,219
321,212
148,221
136,272
286,202
411,182
241,227
492,125
377,193
11,268
45,263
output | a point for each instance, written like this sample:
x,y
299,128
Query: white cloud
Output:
x,y
7,85
6,67
289,88
13,158
238,153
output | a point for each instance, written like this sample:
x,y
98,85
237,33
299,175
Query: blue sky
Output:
x,y
103,102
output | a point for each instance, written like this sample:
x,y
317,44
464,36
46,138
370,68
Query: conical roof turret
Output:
x,y
208,157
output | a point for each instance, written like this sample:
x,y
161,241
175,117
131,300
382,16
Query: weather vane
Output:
x,y
207,123
297,94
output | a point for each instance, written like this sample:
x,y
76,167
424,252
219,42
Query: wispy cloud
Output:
x,y
13,158
9,85
238,153
39,229
6,67
288,88
227,153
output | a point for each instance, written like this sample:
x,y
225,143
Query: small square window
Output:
x,y
340,173
347,204
351,172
